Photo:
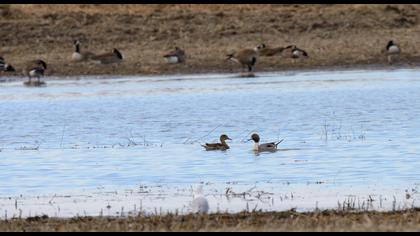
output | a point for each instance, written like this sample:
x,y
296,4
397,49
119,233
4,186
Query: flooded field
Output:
x,y
123,145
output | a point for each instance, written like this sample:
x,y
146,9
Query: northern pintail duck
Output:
x,y
218,146
247,58
5,67
77,55
35,68
175,56
392,49
265,147
108,58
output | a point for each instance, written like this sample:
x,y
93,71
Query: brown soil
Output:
x,y
335,36
256,221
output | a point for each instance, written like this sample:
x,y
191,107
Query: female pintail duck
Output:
x,y
35,68
78,56
247,58
176,56
265,51
218,146
265,147
392,49
108,58
6,67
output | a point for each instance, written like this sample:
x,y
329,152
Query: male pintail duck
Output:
x,y
35,68
246,57
218,146
78,56
5,67
176,56
392,49
108,58
265,51
265,147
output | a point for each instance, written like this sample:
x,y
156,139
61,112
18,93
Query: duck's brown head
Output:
x,y
255,138
224,137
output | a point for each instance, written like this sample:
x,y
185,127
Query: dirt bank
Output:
x,y
333,35
257,221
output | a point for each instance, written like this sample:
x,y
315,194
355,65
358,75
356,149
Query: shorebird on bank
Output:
x,y
78,56
6,67
175,56
265,147
109,58
218,146
35,68
391,50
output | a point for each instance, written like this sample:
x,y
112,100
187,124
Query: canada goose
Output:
x,y
5,67
35,68
176,56
78,56
109,58
265,51
392,49
265,147
246,57
218,146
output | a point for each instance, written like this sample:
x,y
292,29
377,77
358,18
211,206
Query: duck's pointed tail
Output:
x,y
279,142
205,146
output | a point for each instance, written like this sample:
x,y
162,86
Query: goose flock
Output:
x,y
246,57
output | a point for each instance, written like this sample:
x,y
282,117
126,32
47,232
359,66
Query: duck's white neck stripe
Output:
x,y
256,146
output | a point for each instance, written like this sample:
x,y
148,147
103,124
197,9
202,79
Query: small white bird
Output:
x,y
199,205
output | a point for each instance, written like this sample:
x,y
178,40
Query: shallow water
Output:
x,y
342,131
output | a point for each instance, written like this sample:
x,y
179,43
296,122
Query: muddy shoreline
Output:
x,y
245,221
335,36
77,76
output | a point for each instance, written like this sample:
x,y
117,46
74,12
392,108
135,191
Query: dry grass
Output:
x,y
333,35
255,221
